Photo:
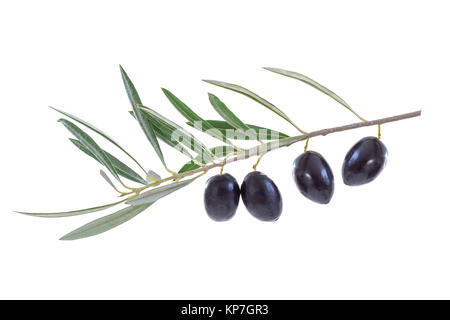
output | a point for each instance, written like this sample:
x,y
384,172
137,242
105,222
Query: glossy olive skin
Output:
x,y
314,177
261,196
221,197
364,161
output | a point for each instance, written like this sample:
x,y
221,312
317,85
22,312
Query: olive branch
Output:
x,y
158,128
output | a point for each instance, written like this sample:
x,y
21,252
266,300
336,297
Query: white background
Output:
x,y
387,239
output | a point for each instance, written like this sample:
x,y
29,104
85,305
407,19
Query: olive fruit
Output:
x,y
261,196
364,161
221,197
313,177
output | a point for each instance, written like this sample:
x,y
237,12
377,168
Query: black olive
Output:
x,y
364,161
313,177
261,196
221,197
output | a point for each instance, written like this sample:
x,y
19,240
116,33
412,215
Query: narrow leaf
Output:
x,y
254,96
191,116
314,84
108,180
98,131
186,138
124,170
153,174
220,152
146,126
157,193
187,112
261,132
227,114
132,93
91,145
164,133
121,168
105,223
70,213
191,165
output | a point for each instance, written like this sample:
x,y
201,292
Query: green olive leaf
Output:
x,y
192,117
228,130
146,126
314,84
185,137
98,131
70,213
157,193
164,133
154,175
255,97
121,168
108,180
191,165
187,112
105,223
220,152
91,145
227,114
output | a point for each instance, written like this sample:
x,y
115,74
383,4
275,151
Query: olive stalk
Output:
x,y
292,140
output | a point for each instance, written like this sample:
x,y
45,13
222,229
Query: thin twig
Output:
x,y
322,132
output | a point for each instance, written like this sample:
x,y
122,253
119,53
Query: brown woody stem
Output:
x,y
322,132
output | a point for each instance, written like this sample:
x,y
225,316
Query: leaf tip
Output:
x,y
270,69
122,71
65,122
23,212
213,98
57,110
69,236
